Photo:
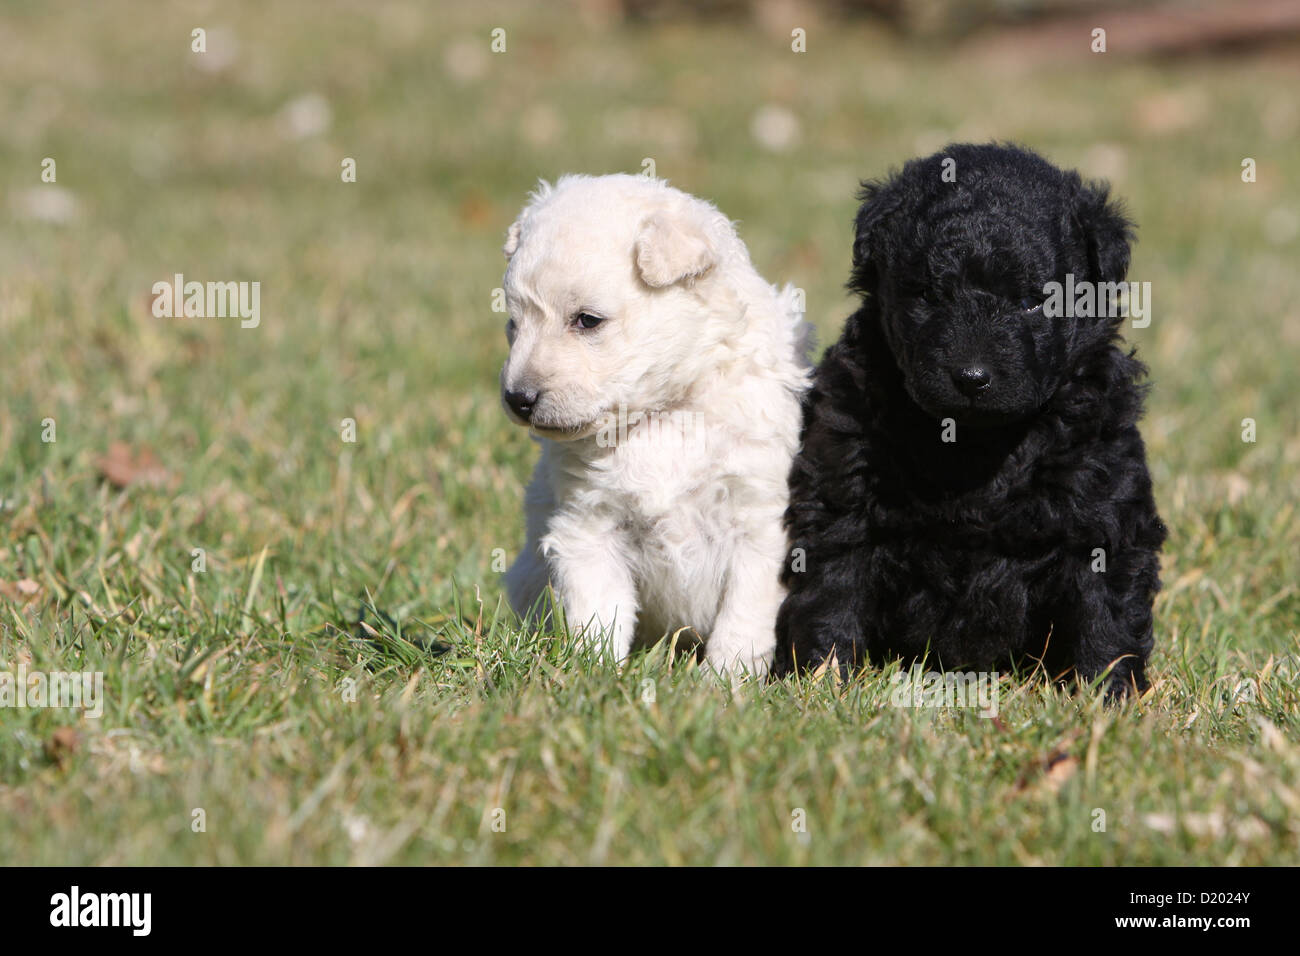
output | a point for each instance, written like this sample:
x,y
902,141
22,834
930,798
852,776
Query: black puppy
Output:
x,y
972,483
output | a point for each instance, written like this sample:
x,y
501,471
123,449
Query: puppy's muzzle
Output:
x,y
521,402
972,379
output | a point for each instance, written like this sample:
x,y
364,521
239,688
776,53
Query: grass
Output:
x,y
240,690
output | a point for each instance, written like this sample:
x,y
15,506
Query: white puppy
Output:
x,y
662,376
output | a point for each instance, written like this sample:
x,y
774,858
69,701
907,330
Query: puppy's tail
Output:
x,y
802,335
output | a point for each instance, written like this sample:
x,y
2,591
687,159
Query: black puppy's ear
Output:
x,y
880,200
1105,230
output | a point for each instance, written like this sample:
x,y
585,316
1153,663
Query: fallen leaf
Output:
x,y
63,743
1051,773
123,466
21,591
1061,767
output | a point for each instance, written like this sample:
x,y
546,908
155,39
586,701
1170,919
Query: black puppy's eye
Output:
x,y
1030,305
585,320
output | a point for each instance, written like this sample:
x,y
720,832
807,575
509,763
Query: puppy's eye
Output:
x,y
1030,305
585,320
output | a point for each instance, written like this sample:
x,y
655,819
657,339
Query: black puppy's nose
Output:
x,y
971,379
521,403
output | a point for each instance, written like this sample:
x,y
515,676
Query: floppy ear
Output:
x,y
670,248
880,200
512,237
1105,230
543,190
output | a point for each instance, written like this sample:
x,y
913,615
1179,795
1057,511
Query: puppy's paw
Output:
x,y
1125,680
737,662
602,644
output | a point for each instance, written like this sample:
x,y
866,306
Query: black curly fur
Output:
x,y
979,551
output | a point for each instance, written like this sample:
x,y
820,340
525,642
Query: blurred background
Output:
x,y
376,295
181,508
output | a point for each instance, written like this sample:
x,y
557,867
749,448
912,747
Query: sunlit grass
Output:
x,y
245,691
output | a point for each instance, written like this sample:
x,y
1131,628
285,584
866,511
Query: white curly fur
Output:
x,y
673,520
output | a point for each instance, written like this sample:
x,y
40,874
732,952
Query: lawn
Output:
x,y
201,532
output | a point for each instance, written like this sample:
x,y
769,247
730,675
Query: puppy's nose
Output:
x,y
971,379
521,403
